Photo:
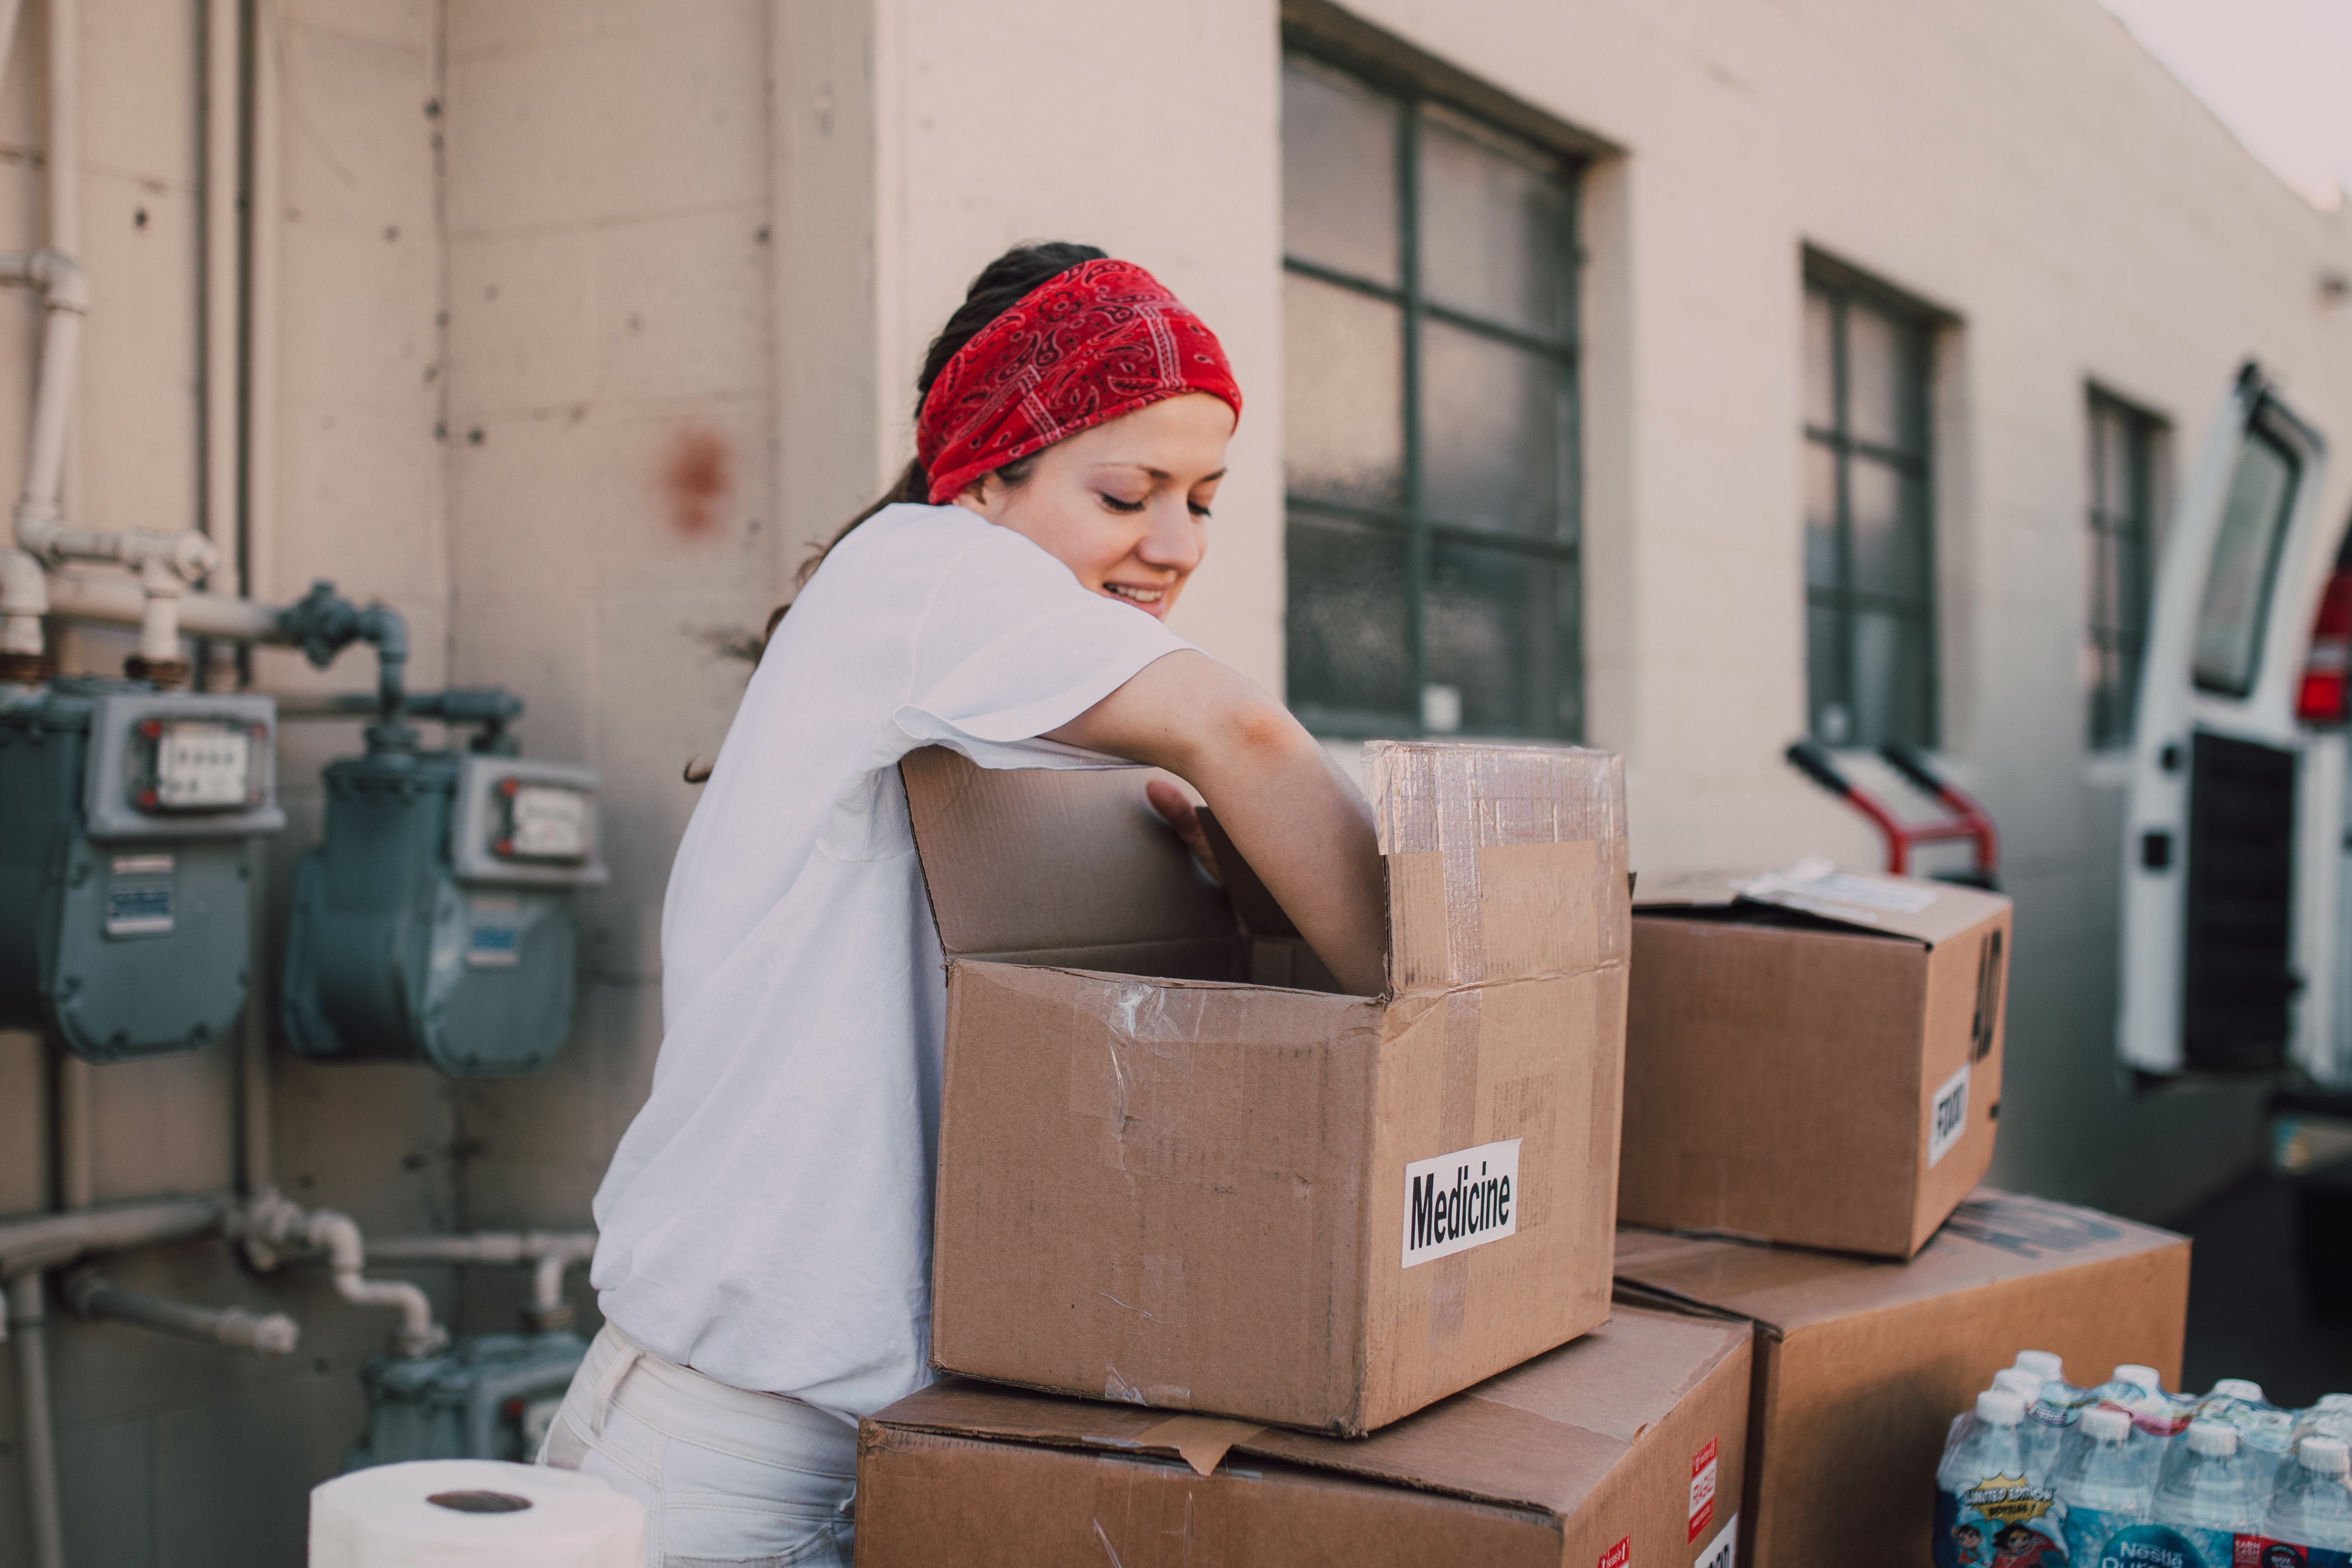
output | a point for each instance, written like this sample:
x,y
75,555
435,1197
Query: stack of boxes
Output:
x,y
1257,1273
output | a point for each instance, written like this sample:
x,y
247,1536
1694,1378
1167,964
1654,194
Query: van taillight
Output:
x,y
2320,699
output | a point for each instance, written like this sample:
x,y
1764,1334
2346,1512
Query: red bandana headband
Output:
x,y
1083,347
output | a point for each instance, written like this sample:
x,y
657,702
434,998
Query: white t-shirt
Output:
x,y
767,1218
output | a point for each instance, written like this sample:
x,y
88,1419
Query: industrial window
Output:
x,y
2120,564
1870,576
1431,420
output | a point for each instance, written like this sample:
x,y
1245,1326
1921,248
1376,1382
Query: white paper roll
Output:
x,y
473,1513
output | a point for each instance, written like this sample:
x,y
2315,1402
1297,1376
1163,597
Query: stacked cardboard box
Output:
x,y
1860,1363
1169,1185
1813,1078
1257,1272
1625,1446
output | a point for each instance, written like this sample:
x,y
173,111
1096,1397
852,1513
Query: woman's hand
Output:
x,y
1291,814
1183,818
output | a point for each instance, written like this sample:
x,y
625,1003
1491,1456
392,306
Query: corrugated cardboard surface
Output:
x,y
1861,1365
1552,1463
1780,1069
1191,1194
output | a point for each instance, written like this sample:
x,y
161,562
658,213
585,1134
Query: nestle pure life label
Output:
x,y
2004,1521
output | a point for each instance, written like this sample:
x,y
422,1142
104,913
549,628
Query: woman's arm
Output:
x,y
1298,822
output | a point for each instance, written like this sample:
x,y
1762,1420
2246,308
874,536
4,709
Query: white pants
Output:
x,y
730,1478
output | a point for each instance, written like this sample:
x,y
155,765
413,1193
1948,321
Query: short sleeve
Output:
x,y
1014,645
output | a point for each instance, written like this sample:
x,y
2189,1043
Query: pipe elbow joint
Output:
x,y
63,282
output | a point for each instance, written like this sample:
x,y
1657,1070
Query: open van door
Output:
x,y
2234,824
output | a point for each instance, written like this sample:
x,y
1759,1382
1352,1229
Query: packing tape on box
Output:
x,y
473,1513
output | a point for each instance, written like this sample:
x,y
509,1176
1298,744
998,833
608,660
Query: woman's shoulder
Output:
x,y
907,542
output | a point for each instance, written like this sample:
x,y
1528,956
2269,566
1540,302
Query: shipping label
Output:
x,y
1947,1115
1618,1556
1701,1490
1723,1551
1460,1200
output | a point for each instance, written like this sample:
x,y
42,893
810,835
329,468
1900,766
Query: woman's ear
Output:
x,y
984,495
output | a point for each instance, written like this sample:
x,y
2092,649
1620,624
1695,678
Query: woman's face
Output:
x,y
1124,505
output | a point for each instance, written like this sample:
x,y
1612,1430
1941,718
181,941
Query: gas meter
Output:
x,y
435,922
125,896
492,1396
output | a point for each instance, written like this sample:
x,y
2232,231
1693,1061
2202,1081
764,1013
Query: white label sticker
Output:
x,y
1460,1200
549,823
1701,1490
199,766
1723,1552
493,932
1948,1117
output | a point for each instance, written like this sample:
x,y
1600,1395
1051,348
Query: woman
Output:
x,y
764,1260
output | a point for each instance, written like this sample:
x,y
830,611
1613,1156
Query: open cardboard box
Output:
x,y
1860,1363
1623,1448
1171,1174
1811,1058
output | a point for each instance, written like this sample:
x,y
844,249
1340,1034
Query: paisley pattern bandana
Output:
x,y
1087,346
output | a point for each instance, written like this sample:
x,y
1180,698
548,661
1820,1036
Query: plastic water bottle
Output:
x,y
1981,1481
2211,1497
2101,1482
2265,1433
2314,1507
2026,1386
2050,1422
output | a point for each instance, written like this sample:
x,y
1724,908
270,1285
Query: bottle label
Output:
x,y
2262,1552
2001,1520
2160,1546
2094,1534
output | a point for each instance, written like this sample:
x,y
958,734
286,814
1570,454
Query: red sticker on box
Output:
x,y
1701,1490
1618,1556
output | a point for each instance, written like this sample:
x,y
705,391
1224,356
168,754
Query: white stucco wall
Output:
x,y
594,317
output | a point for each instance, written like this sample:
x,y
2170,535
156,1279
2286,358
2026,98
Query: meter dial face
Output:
x,y
202,765
545,822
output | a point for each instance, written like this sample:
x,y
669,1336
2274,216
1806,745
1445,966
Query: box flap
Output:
x,y
1503,862
1924,911
1992,1238
1688,889
1052,861
1541,1436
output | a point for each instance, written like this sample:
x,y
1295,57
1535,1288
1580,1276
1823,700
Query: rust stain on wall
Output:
x,y
696,477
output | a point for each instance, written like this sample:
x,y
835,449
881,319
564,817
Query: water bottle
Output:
x,y
2044,1364
2312,1509
2050,1421
1982,1489
2026,1386
2212,1498
2265,1433
2101,1482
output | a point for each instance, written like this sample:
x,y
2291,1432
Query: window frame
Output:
x,y
1843,288
1421,530
2147,434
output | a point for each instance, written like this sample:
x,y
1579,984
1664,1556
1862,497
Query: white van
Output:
x,y
2235,914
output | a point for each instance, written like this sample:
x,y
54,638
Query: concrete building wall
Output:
x,y
593,317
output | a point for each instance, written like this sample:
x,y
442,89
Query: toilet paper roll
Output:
x,y
473,1513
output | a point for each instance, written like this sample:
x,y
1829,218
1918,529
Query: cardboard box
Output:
x,y
1162,1185
1624,1447
1861,1365
1816,1061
